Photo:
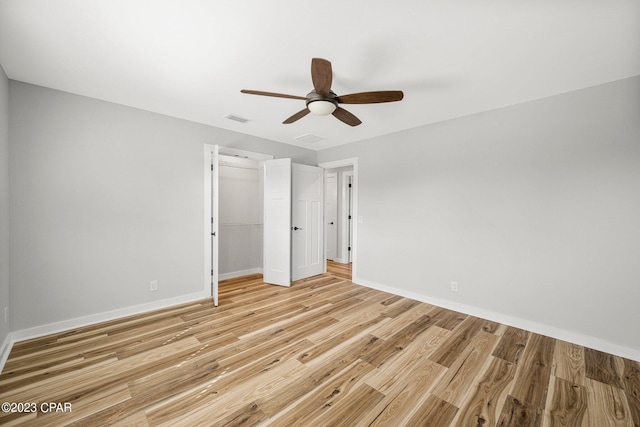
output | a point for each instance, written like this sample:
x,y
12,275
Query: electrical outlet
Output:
x,y
153,285
454,286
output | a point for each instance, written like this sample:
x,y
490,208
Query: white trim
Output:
x,y
79,322
353,161
208,150
516,322
557,333
346,203
240,273
234,152
5,349
92,319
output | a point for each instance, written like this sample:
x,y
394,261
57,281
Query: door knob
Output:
x,y
296,228
331,223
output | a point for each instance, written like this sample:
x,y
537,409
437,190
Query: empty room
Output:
x,y
274,213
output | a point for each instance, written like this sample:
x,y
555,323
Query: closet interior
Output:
x,y
241,220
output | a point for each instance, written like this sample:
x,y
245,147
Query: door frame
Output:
x,y
335,210
346,237
208,150
353,161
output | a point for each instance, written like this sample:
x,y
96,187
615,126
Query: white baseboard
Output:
x,y
517,322
7,344
240,273
52,328
550,331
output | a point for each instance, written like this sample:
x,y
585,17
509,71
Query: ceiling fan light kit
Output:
x,y
321,108
322,101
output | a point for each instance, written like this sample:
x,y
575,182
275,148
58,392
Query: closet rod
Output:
x,y
230,165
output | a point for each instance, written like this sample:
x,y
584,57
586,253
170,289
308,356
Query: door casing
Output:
x,y
353,161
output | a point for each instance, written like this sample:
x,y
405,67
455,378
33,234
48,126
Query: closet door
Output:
x,y
308,255
277,222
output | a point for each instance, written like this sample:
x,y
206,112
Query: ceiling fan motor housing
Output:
x,y
322,105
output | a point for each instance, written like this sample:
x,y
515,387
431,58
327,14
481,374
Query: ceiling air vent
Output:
x,y
236,118
307,137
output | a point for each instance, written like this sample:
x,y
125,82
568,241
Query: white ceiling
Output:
x,y
190,58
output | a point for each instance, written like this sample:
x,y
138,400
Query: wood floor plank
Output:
x,y
349,410
138,419
447,319
340,338
516,413
454,385
434,412
511,344
313,405
568,404
251,415
534,372
324,351
402,397
569,363
483,406
400,307
631,382
201,396
387,329
457,341
232,399
397,342
416,353
602,367
321,370
608,406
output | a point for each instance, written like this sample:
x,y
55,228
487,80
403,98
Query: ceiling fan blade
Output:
x,y
321,76
297,116
346,117
277,95
371,97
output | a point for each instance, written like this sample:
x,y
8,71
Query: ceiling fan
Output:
x,y
323,101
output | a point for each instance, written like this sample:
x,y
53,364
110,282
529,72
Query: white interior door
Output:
x,y
277,222
215,222
331,215
307,220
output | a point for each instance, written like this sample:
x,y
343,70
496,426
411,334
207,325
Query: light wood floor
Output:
x,y
323,352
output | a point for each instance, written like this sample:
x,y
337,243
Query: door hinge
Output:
x,y
212,171
349,248
349,216
349,184
212,272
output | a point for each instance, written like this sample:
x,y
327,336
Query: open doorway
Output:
x,y
244,235
340,217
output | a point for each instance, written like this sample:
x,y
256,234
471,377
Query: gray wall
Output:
x,y
4,204
533,209
104,199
